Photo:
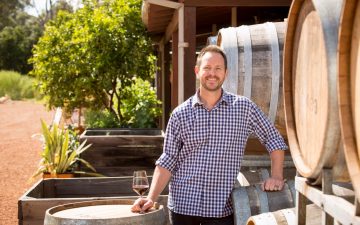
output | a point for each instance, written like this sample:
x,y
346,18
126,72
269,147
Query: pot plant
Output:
x,y
61,153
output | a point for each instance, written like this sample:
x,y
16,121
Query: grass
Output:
x,y
17,86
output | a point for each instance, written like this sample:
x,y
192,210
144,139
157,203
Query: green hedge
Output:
x,y
17,86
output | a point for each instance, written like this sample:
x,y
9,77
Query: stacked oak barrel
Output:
x,y
321,73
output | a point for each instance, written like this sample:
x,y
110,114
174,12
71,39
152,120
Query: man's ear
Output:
x,y
196,70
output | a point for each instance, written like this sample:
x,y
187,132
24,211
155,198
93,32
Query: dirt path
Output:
x,y
20,153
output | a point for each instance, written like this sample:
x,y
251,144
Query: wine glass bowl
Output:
x,y
140,182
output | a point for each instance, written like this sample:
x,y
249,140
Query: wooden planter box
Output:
x,y
118,152
52,192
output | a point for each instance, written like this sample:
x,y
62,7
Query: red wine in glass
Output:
x,y
140,189
140,182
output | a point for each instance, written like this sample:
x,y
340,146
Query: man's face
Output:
x,y
211,72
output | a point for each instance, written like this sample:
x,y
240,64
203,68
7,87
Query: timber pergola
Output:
x,y
180,28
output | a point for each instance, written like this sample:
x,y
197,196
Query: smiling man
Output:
x,y
204,145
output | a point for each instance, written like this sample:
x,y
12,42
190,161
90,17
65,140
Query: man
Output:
x,y
204,145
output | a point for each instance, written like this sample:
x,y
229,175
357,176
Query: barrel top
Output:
x,y
98,209
98,212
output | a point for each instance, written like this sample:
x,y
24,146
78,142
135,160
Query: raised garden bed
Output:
x,y
52,192
118,152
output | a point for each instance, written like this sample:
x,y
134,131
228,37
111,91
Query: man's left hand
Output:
x,y
273,184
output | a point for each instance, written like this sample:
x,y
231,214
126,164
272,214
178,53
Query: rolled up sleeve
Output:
x,y
268,135
172,145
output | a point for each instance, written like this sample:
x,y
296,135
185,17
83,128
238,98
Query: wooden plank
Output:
x,y
49,190
167,85
174,75
212,3
340,209
300,207
136,150
190,51
117,171
123,140
172,26
123,131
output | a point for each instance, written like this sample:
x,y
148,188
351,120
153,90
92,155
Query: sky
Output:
x,y
40,6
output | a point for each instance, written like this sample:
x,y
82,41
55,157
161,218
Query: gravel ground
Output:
x,y
20,154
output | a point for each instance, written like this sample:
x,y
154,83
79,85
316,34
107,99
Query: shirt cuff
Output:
x,y
276,144
166,161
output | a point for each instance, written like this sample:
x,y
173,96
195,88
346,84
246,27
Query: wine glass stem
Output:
x,y
141,209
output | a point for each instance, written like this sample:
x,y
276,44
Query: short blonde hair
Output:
x,y
211,48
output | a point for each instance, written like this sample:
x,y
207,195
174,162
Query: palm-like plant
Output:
x,y
60,153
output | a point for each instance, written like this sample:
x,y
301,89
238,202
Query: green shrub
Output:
x,y
17,86
100,119
140,107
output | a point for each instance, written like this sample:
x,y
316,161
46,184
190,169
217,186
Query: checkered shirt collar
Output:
x,y
225,97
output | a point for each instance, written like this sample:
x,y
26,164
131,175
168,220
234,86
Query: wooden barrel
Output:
x,y
255,66
109,212
286,217
251,176
251,200
349,88
212,40
310,83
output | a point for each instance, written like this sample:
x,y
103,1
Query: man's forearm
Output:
x,y
160,179
277,161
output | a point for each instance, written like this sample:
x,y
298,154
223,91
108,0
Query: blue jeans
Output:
x,y
179,219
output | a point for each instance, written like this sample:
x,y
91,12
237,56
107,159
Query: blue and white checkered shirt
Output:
x,y
203,150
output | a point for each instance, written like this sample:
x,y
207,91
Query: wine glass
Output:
x,y
140,183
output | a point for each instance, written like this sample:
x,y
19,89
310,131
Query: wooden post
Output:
x,y
174,77
159,76
190,51
326,189
166,86
234,17
213,29
300,209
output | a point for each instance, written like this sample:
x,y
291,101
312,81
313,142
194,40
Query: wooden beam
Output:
x,y
211,3
165,3
174,74
173,25
159,79
234,17
167,85
190,51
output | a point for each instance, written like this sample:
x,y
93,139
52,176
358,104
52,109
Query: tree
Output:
x,y
20,31
87,58
8,10
16,43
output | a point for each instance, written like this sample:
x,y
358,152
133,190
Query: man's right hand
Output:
x,y
142,205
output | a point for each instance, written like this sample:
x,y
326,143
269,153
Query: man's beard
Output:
x,y
217,87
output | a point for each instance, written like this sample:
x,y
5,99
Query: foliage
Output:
x,y
61,151
87,58
8,9
17,41
140,106
100,119
17,86
19,32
